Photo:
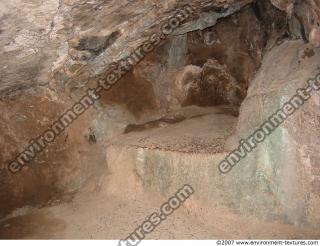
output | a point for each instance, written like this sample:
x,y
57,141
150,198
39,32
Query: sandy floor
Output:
x,y
103,216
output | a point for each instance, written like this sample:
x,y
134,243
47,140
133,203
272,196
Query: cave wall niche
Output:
x,y
209,67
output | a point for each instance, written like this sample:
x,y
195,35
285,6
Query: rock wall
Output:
x,y
75,158
306,15
280,179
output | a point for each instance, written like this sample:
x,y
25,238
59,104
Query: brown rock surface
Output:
x,y
53,51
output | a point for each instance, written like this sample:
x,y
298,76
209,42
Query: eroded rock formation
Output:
x,y
53,51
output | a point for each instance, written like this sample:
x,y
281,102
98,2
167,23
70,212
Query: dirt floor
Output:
x,y
102,216
112,211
